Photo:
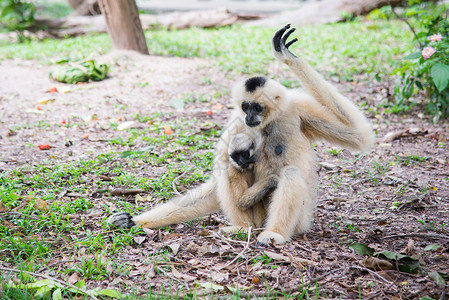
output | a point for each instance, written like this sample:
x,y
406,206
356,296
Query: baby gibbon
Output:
x,y
289,122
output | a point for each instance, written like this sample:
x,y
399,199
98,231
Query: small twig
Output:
x,y
51,278
374,274
408,24
19,214
222,238
241,254
55,263
124,192
174,182
418,235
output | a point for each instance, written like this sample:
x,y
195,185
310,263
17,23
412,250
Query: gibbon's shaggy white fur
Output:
x,y
283,194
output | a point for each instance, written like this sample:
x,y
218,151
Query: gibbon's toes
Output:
x,y
121,220
266,236
233,229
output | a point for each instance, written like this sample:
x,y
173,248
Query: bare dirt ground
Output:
x,y
395,198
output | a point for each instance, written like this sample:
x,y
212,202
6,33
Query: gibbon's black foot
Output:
x,y
280,39
121,220
261,244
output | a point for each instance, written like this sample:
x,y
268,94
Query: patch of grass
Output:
x,y
375,48
51,50
263,259
378,171
410,160
334,152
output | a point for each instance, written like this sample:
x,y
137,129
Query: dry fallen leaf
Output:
x,y
204,232
391,136
139,239
148,231
376,264
255,280
410,249
2,207
41,205
180,275
209,250
218,276
174,248
74,278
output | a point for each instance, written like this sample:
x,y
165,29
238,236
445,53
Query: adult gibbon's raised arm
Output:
x,y
331,116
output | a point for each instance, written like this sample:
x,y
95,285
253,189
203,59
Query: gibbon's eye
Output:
x,y
245,106
258,108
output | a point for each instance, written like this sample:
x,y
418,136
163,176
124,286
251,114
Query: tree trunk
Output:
x,y
124,27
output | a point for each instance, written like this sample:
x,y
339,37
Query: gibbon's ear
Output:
x,y
238,94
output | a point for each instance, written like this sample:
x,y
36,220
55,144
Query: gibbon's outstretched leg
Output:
x,y
344,123
292,202
196,203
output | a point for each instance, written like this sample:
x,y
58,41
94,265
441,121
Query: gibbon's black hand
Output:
x,y
280,38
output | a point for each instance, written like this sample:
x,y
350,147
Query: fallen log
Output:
x,y
79,25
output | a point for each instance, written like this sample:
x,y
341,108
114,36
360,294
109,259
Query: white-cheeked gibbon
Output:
x,y
277,189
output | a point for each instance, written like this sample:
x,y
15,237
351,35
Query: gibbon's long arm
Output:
x,y
332,117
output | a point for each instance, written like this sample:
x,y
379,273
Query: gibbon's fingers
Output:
x,y
121,220
277,37
287,35
290,43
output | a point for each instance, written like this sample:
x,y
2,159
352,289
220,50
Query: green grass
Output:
x,y
374,48
37,233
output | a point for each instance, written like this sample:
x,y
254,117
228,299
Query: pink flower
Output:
x,y
436,37
427,52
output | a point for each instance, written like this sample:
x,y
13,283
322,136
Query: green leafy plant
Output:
x,y
427,69
17,15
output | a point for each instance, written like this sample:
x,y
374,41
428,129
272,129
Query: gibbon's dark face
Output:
x,y
253,111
